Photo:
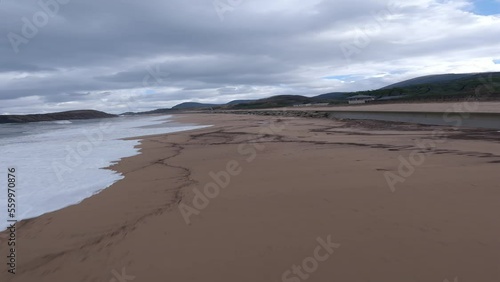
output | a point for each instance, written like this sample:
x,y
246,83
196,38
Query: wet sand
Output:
x,y
470,107
284,199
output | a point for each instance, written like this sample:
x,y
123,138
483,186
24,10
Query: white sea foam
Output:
x,y
62,122
62,164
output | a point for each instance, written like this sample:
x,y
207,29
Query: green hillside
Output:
x,y
477,86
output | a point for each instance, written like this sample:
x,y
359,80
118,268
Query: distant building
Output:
x,y
360,99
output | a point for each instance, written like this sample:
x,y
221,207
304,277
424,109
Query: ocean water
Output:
x,y
61,163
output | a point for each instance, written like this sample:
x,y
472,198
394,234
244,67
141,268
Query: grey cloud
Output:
x,y
261,48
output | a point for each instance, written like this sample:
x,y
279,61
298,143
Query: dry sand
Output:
x,y
308,179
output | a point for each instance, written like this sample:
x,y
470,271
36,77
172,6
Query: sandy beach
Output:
x,y
471,107
259,198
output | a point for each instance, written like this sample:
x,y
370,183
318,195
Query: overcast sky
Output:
x,y
129,55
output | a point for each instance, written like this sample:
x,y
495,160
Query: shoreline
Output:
x,y
71,157
300,187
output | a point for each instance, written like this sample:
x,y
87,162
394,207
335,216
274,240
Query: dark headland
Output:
x,y
69,115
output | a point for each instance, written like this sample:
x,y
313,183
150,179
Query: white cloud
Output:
x,y
262,48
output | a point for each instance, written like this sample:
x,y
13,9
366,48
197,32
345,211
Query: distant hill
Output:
x,y
236,102
153,112
427,88
193,105
274,102
442,88
289,100
330,96
69,115
429,79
